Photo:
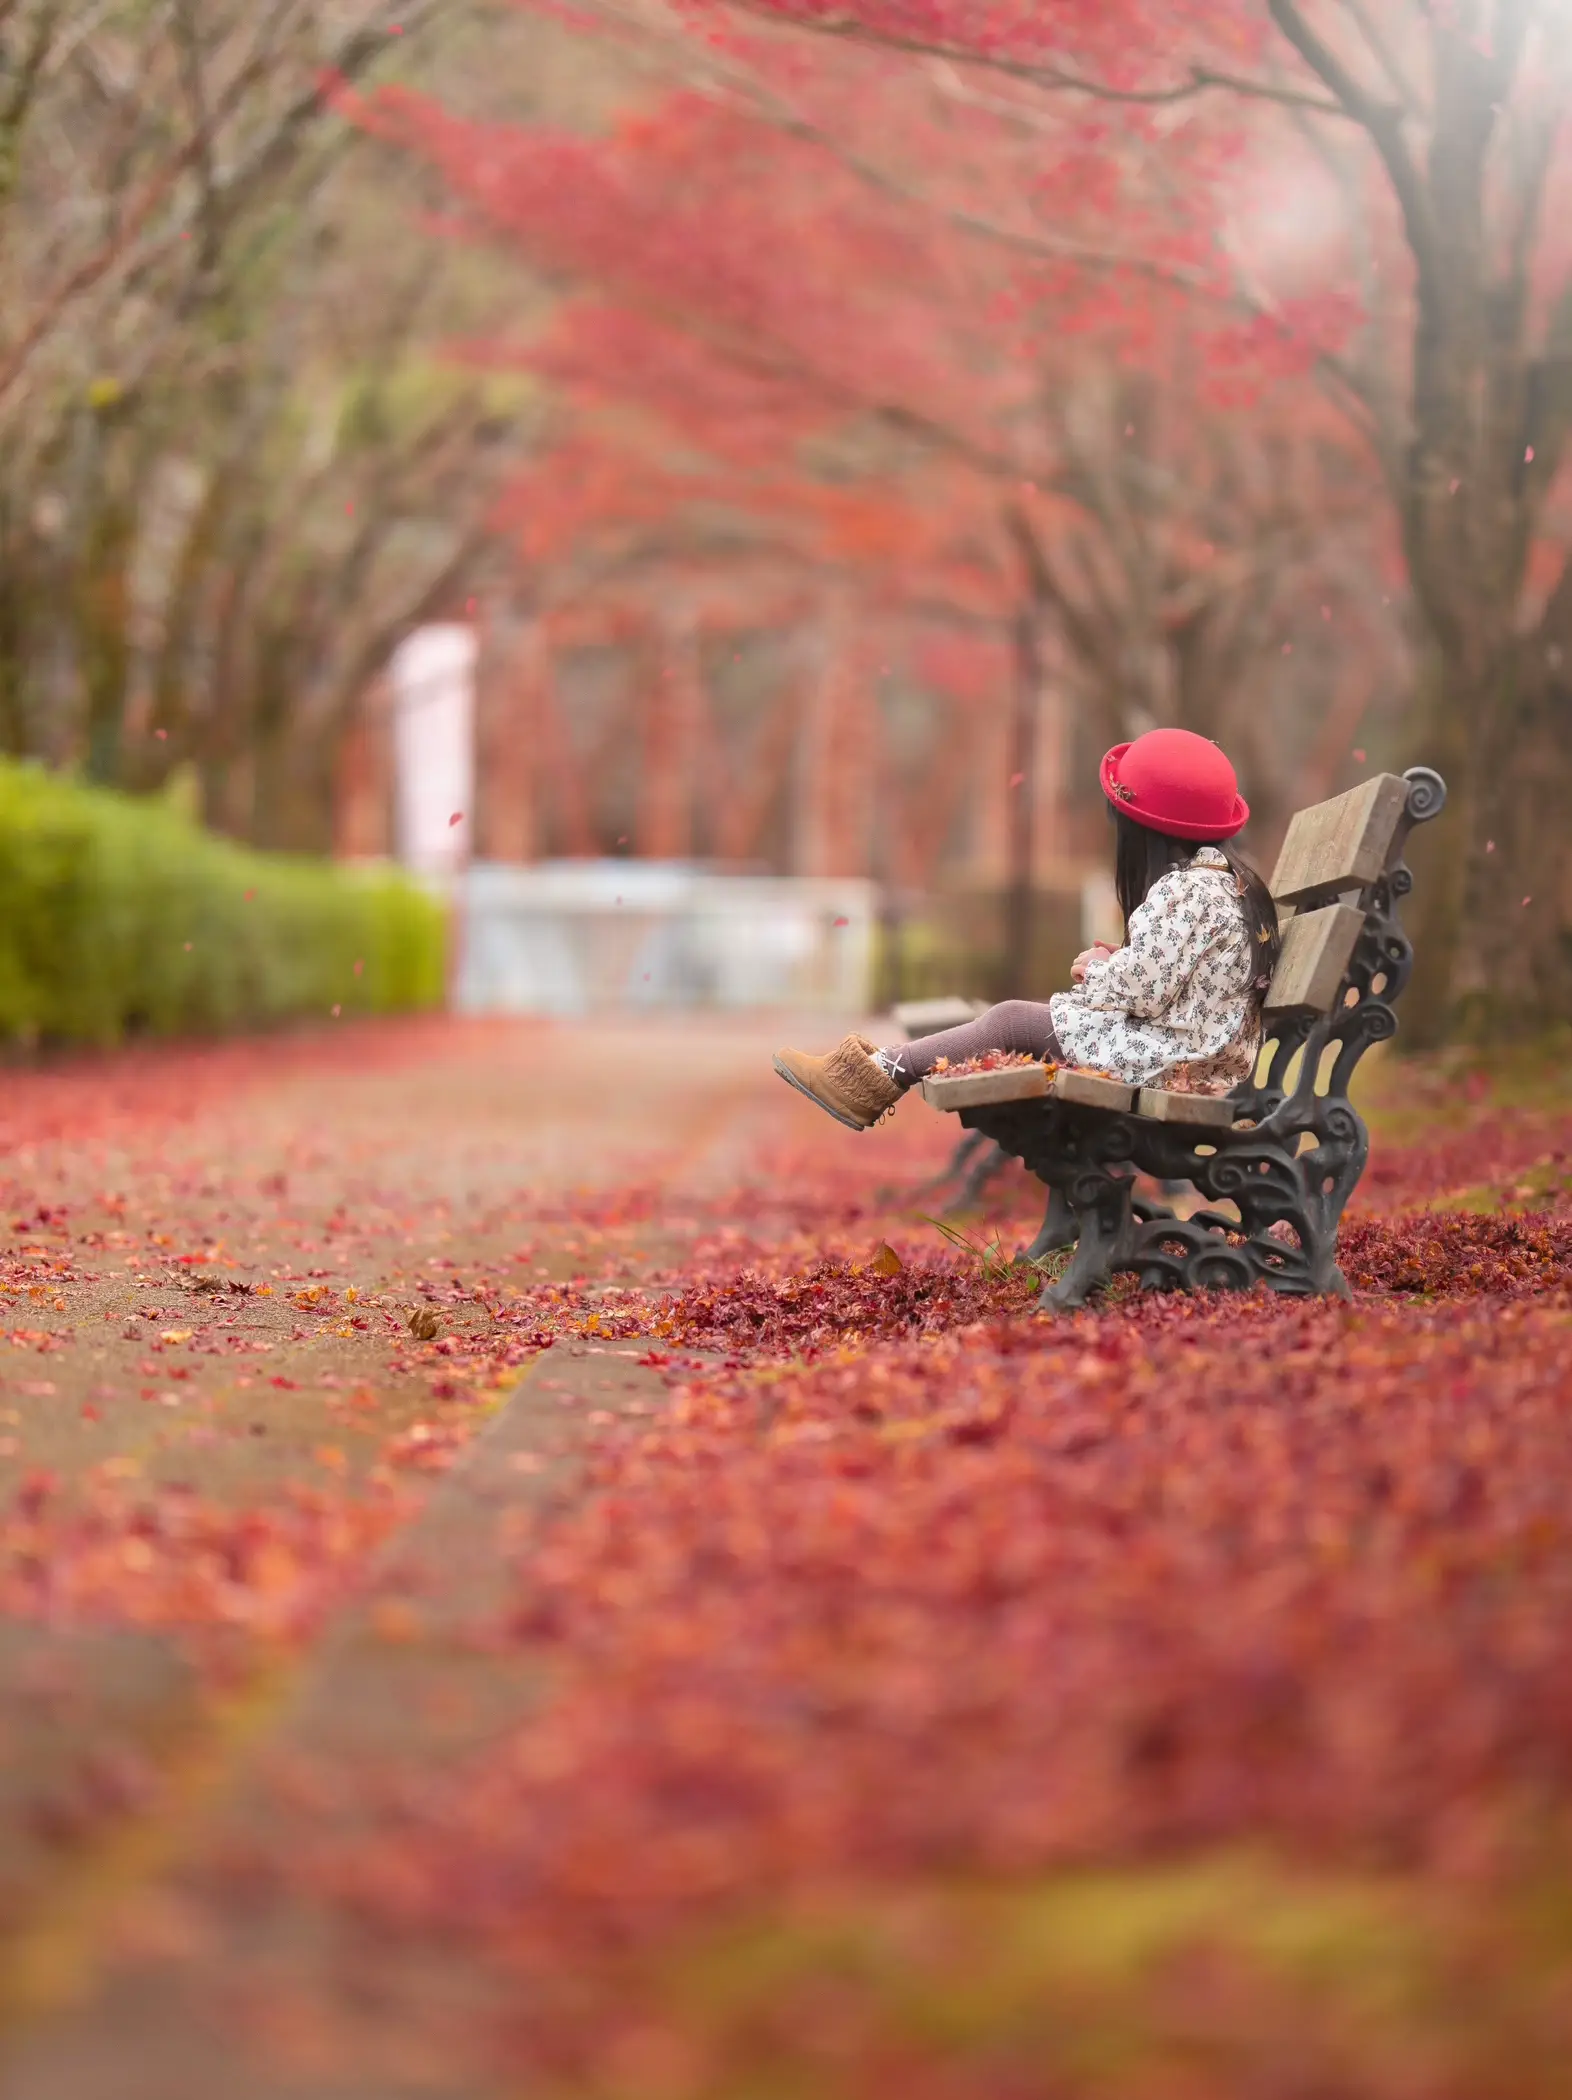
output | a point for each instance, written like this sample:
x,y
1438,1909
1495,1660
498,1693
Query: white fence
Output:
x,y
571,937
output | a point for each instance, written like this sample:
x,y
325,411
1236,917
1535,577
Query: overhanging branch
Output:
x,y
1383,121
1198,80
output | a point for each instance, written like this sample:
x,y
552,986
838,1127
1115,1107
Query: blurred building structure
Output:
x,y
599,730
785,743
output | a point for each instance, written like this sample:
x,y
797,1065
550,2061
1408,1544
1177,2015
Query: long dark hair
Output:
x,y
1143,857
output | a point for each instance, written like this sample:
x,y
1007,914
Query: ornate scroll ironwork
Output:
x,y
1292,1158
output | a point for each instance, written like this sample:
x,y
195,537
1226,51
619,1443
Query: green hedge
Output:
x,y
100,895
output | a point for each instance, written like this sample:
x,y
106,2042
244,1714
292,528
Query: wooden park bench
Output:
x,y
1287,1148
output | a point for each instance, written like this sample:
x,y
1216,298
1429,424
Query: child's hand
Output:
x,y
1098,952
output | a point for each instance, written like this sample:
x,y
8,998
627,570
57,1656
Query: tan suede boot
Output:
x,y
847,1084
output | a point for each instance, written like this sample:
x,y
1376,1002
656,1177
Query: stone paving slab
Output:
x,y
126,1772
195,1994
87,1716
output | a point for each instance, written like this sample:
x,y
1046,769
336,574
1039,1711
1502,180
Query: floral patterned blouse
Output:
x,y
1175,1002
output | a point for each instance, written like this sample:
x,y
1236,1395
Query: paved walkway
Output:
x,y
226,1432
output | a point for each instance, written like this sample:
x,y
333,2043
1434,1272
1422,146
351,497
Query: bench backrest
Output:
x,y
1342,844
1328,851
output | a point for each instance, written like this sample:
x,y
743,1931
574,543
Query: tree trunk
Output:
x,y
1493,953
103,642
15,740
1513,976
1027,696
1435,917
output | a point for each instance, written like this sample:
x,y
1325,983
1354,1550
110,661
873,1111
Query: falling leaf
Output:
x,y
843,921
456,818
1490,845
1016,779
337,1010
886,1262
423,1324
1359,757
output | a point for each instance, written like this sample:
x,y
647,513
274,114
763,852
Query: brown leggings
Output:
x,y
1018,1025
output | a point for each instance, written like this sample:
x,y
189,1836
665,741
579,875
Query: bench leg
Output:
x,y
1104,1225
982,1171
969,1146
1059,1228
1088,1271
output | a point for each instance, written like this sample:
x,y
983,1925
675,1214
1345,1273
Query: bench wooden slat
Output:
x,y
1091,1092
1025,1083
979,1089
1341,844
1214,1111
1317,946
918,1017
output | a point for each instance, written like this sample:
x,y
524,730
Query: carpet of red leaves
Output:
x,y
986,1061
911,1604
1007,1603
911,1590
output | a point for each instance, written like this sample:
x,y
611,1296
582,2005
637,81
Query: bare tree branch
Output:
x,y
1381,51
1383,122
194,84
355,51
1198,80
24,81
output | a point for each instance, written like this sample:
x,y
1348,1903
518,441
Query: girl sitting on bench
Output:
x,y
1178,1005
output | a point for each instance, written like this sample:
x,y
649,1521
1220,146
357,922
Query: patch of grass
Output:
x,y
996,1263
1405,1095
1214,1976
1544,1185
